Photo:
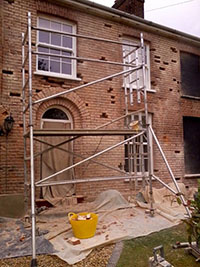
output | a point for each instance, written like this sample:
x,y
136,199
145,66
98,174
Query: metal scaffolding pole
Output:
x,y
171,173
89,158
85,85
136,155
86,37
147,126
24,84
33,218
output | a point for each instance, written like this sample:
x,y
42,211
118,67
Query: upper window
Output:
x,y
55,44
190,74
133,55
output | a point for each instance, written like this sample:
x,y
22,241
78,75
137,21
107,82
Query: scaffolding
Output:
x,y
134,132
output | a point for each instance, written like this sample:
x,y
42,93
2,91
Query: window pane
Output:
x,y
44,23
66,68
54,66
55,26
44,37
67,28
43,64
56,39
55,52
66,60
43,50
55,113
67,41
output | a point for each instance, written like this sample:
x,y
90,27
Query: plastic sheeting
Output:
x,y
16,240
118,220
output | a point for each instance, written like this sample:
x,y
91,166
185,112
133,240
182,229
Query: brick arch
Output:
x,y
72,102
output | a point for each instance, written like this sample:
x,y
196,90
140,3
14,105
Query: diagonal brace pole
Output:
x,y
75,154
86,85
170,172
91,157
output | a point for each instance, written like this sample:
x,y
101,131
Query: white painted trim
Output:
x,y
56,75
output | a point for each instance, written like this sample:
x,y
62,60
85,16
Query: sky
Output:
x,y
182,15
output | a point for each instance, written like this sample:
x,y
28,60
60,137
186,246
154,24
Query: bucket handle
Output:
x,y
70,214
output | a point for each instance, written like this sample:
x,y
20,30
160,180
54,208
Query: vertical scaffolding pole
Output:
x,y
24,121
33,219
147,127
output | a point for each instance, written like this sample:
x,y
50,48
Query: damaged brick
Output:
x,y
15,94
110,90
173,49
108,25
10,72
104,115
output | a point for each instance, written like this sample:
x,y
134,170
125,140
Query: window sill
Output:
x,y
151,91
59,76
192,176
191,97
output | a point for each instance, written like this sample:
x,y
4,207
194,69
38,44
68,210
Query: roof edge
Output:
x,y
123,15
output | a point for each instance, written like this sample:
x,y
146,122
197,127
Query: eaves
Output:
x,y
129,19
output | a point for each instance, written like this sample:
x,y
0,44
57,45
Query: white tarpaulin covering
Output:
x,y
118,220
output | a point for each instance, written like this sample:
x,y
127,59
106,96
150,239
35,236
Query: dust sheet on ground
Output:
x,y
118,220
16,240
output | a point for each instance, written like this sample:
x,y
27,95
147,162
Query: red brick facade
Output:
x,y
135,7
97,104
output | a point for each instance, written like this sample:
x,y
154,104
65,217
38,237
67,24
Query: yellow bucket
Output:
x,y
83,228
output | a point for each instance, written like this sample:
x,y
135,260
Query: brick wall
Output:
x,y
135,7
94,105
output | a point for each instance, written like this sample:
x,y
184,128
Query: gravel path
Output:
x,y
99,257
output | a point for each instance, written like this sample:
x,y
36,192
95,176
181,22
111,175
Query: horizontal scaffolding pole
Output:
x,y
80,132
85,85
87,180
85,59
89,158
85,37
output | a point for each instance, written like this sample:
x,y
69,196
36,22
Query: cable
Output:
x,y
169,5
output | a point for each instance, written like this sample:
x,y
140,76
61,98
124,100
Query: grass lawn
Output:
x,y
136,252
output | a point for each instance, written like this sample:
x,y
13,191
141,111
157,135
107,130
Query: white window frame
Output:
x,y
135,58
72,50
138,117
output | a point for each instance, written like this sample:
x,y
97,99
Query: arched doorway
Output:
x,y
54,160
